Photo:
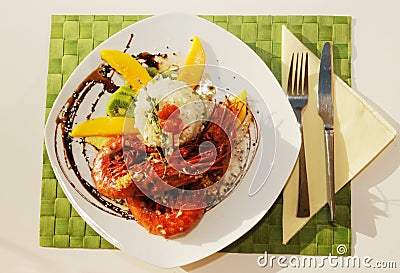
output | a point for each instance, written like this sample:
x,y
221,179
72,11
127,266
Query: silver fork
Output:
x,y
297,92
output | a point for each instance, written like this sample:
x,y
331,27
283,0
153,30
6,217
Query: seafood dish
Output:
x,y
170,145
166,177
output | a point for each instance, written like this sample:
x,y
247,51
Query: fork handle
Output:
x,y
303,204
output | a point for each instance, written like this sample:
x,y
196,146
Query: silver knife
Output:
x,y
326,111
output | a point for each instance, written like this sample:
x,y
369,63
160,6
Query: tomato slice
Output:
x,y
168,109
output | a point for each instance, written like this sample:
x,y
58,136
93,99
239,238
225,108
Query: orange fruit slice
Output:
x,y
127,66
192,72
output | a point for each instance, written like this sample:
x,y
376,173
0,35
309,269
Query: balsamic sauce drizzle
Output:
x,y
65,120
128,45
82,142
149,59
64,123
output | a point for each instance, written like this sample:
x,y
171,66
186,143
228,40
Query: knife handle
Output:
x,y
303,204
329,140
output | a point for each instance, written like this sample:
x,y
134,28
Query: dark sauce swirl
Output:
x,y
150,60
64,123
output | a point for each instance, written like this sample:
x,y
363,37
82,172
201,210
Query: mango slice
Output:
x,y
127,66
239,104
192,72
104,126
97,141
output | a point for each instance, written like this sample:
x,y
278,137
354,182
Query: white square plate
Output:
x,y
239,212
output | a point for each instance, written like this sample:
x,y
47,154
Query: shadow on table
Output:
x,y
371,206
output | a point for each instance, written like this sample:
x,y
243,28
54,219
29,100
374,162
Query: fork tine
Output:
x,y
300,73
305,89
296,77
290,77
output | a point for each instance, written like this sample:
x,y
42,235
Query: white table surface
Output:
x,y
25,31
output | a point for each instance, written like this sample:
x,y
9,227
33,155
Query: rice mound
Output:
x,y
159,92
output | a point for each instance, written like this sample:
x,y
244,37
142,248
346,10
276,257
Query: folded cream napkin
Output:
x,y
360,134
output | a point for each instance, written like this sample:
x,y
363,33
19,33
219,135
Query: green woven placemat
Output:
x,y
73,37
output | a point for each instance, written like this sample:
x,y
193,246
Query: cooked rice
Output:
x,y
155,95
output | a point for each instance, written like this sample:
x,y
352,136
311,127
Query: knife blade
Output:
x,y
326,112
